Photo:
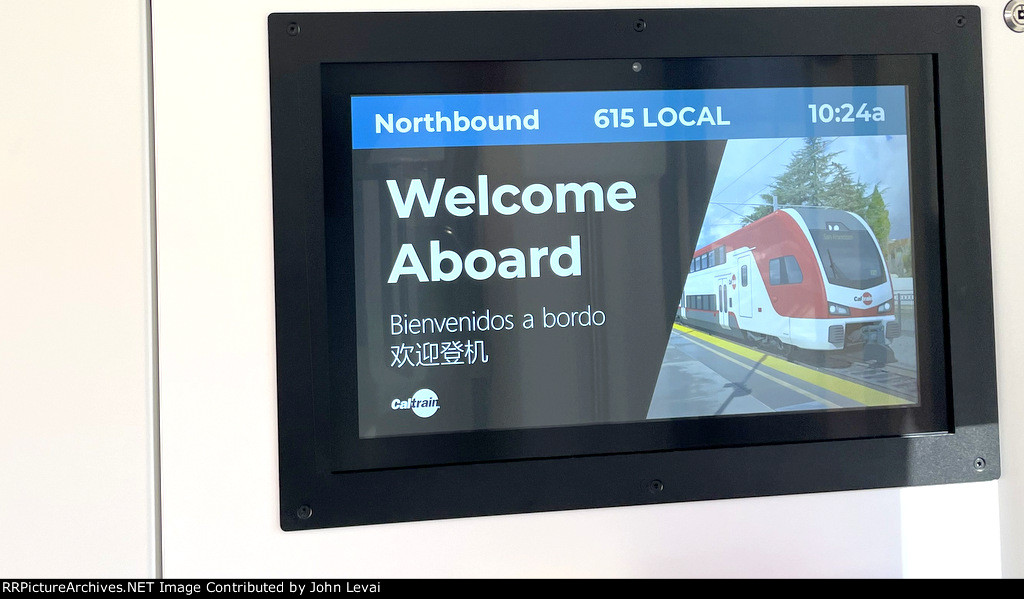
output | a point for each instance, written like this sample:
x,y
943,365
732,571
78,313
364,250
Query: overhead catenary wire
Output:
x,y
756,193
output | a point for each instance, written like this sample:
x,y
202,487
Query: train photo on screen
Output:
x,y
806,277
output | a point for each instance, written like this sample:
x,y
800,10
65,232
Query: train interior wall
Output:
x,y
81,240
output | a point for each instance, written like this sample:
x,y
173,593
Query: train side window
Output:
x,y
711,259
775,271
703,261
784,271
721,255
792,269
743,275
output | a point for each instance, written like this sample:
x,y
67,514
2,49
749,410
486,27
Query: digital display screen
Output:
x,y
553,250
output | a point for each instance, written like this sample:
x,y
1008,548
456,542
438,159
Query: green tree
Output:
x,y
877,217
814,177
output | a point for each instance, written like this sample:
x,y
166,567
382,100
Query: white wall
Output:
x,y
1004,96
76,479
76,492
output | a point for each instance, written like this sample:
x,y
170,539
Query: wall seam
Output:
x,y
154,345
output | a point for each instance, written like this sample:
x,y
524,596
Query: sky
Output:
x,y
750,165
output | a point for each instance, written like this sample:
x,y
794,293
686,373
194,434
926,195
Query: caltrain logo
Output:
x,y
734,281
866,298
423,403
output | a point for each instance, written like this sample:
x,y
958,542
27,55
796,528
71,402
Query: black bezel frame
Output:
x,y
312,496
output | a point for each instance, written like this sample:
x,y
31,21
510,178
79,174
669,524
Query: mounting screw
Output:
x,y
1013,14
960,20
293,30
304,512
655,486
979,464
639,25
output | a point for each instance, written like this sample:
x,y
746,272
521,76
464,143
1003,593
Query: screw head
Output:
x,y
292,29
655,486
304,512
1013,14
979,464
639,25
960,20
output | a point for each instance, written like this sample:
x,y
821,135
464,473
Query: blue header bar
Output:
x,y
625,116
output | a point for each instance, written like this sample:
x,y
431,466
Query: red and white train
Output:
x,y
807,277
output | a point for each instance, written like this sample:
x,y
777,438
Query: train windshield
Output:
x,y
850,258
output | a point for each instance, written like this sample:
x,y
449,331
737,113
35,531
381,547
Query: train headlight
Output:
x,y
837,310
885,308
